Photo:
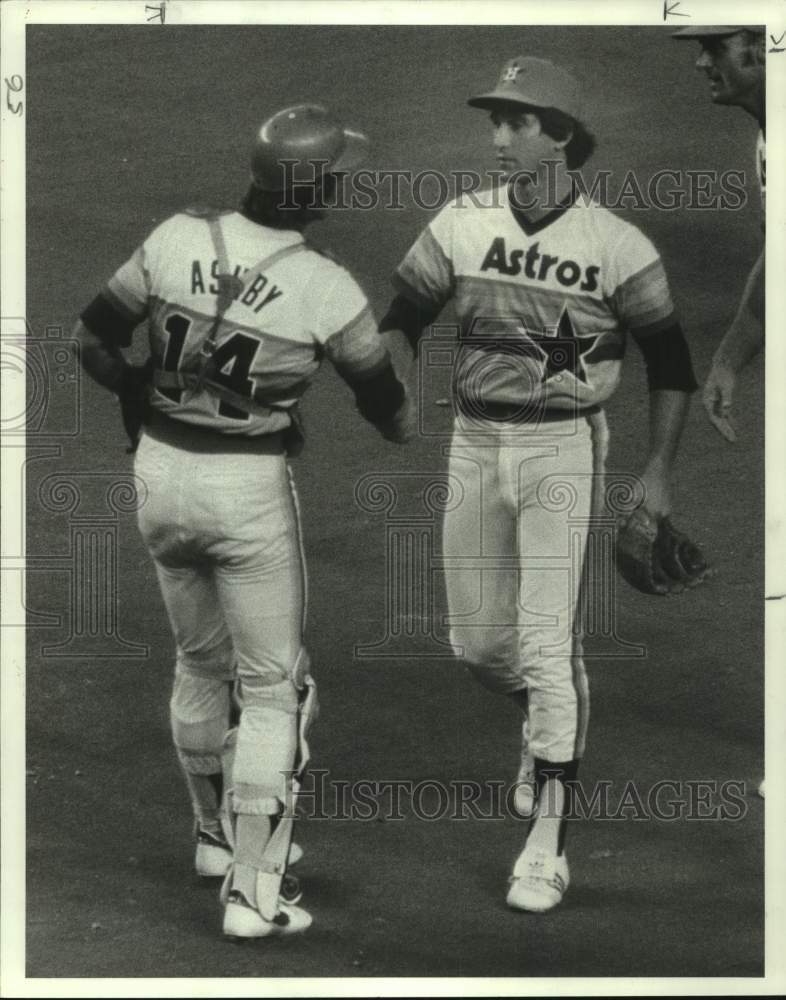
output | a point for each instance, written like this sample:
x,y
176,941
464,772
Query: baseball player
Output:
x,y
733,58
546,286
240,311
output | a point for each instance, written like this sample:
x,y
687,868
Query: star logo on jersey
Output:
x,y
563,350
510,74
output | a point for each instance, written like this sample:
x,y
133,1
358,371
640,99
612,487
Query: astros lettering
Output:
x,y
567,272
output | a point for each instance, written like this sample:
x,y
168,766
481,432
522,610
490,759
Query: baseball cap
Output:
x,y
538,82
707,30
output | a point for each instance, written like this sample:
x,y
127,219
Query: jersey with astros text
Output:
x,y
286,315
543,309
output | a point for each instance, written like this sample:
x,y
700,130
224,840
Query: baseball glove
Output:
x,y
655,557
135,400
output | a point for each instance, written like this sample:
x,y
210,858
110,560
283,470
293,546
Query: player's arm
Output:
x,y
424,281
742,342
105,327
107,324
643,303
671,381
406,319
102,361
361,358
100,331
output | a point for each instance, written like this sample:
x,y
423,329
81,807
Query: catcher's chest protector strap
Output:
x,y
230,287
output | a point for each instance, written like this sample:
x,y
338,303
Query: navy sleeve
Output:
x,y
668,360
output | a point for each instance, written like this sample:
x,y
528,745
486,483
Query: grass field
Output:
x,y
126,126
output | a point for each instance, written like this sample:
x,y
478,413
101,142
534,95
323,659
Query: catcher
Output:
x,y
241,311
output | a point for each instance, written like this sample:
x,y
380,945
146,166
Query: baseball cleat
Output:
x,y
241,920
524,794
214,855
538,882
291,891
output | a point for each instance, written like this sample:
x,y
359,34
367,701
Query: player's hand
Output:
x,y
717,399
657,492
403,425
133,394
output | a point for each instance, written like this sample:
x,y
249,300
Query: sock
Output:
x,y
548,828
205,791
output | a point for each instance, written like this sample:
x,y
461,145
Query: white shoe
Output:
x,y
214,855
539,881
524,794
761,788
242,921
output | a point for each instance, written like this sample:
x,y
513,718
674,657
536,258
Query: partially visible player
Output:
x,y
240,311
733,57
547,286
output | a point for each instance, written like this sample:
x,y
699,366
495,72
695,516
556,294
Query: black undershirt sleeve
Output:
x,y
408,317
668,361
111,326
379,397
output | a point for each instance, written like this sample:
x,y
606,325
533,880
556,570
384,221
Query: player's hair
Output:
x,y
557,125
288,209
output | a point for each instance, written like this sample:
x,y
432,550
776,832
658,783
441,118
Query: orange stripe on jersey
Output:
x,y
125,304
489,296
428,271
643,299
358,349
411,293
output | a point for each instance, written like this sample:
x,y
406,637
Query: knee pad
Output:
x,y
278,760
217,663
199,707
266,747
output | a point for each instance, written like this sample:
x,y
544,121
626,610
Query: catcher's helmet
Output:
x,y
300,145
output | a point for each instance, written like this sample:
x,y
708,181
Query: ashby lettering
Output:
x,y
538,265
249,295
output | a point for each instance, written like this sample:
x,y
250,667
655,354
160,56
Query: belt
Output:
x,y
523,413
192,437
